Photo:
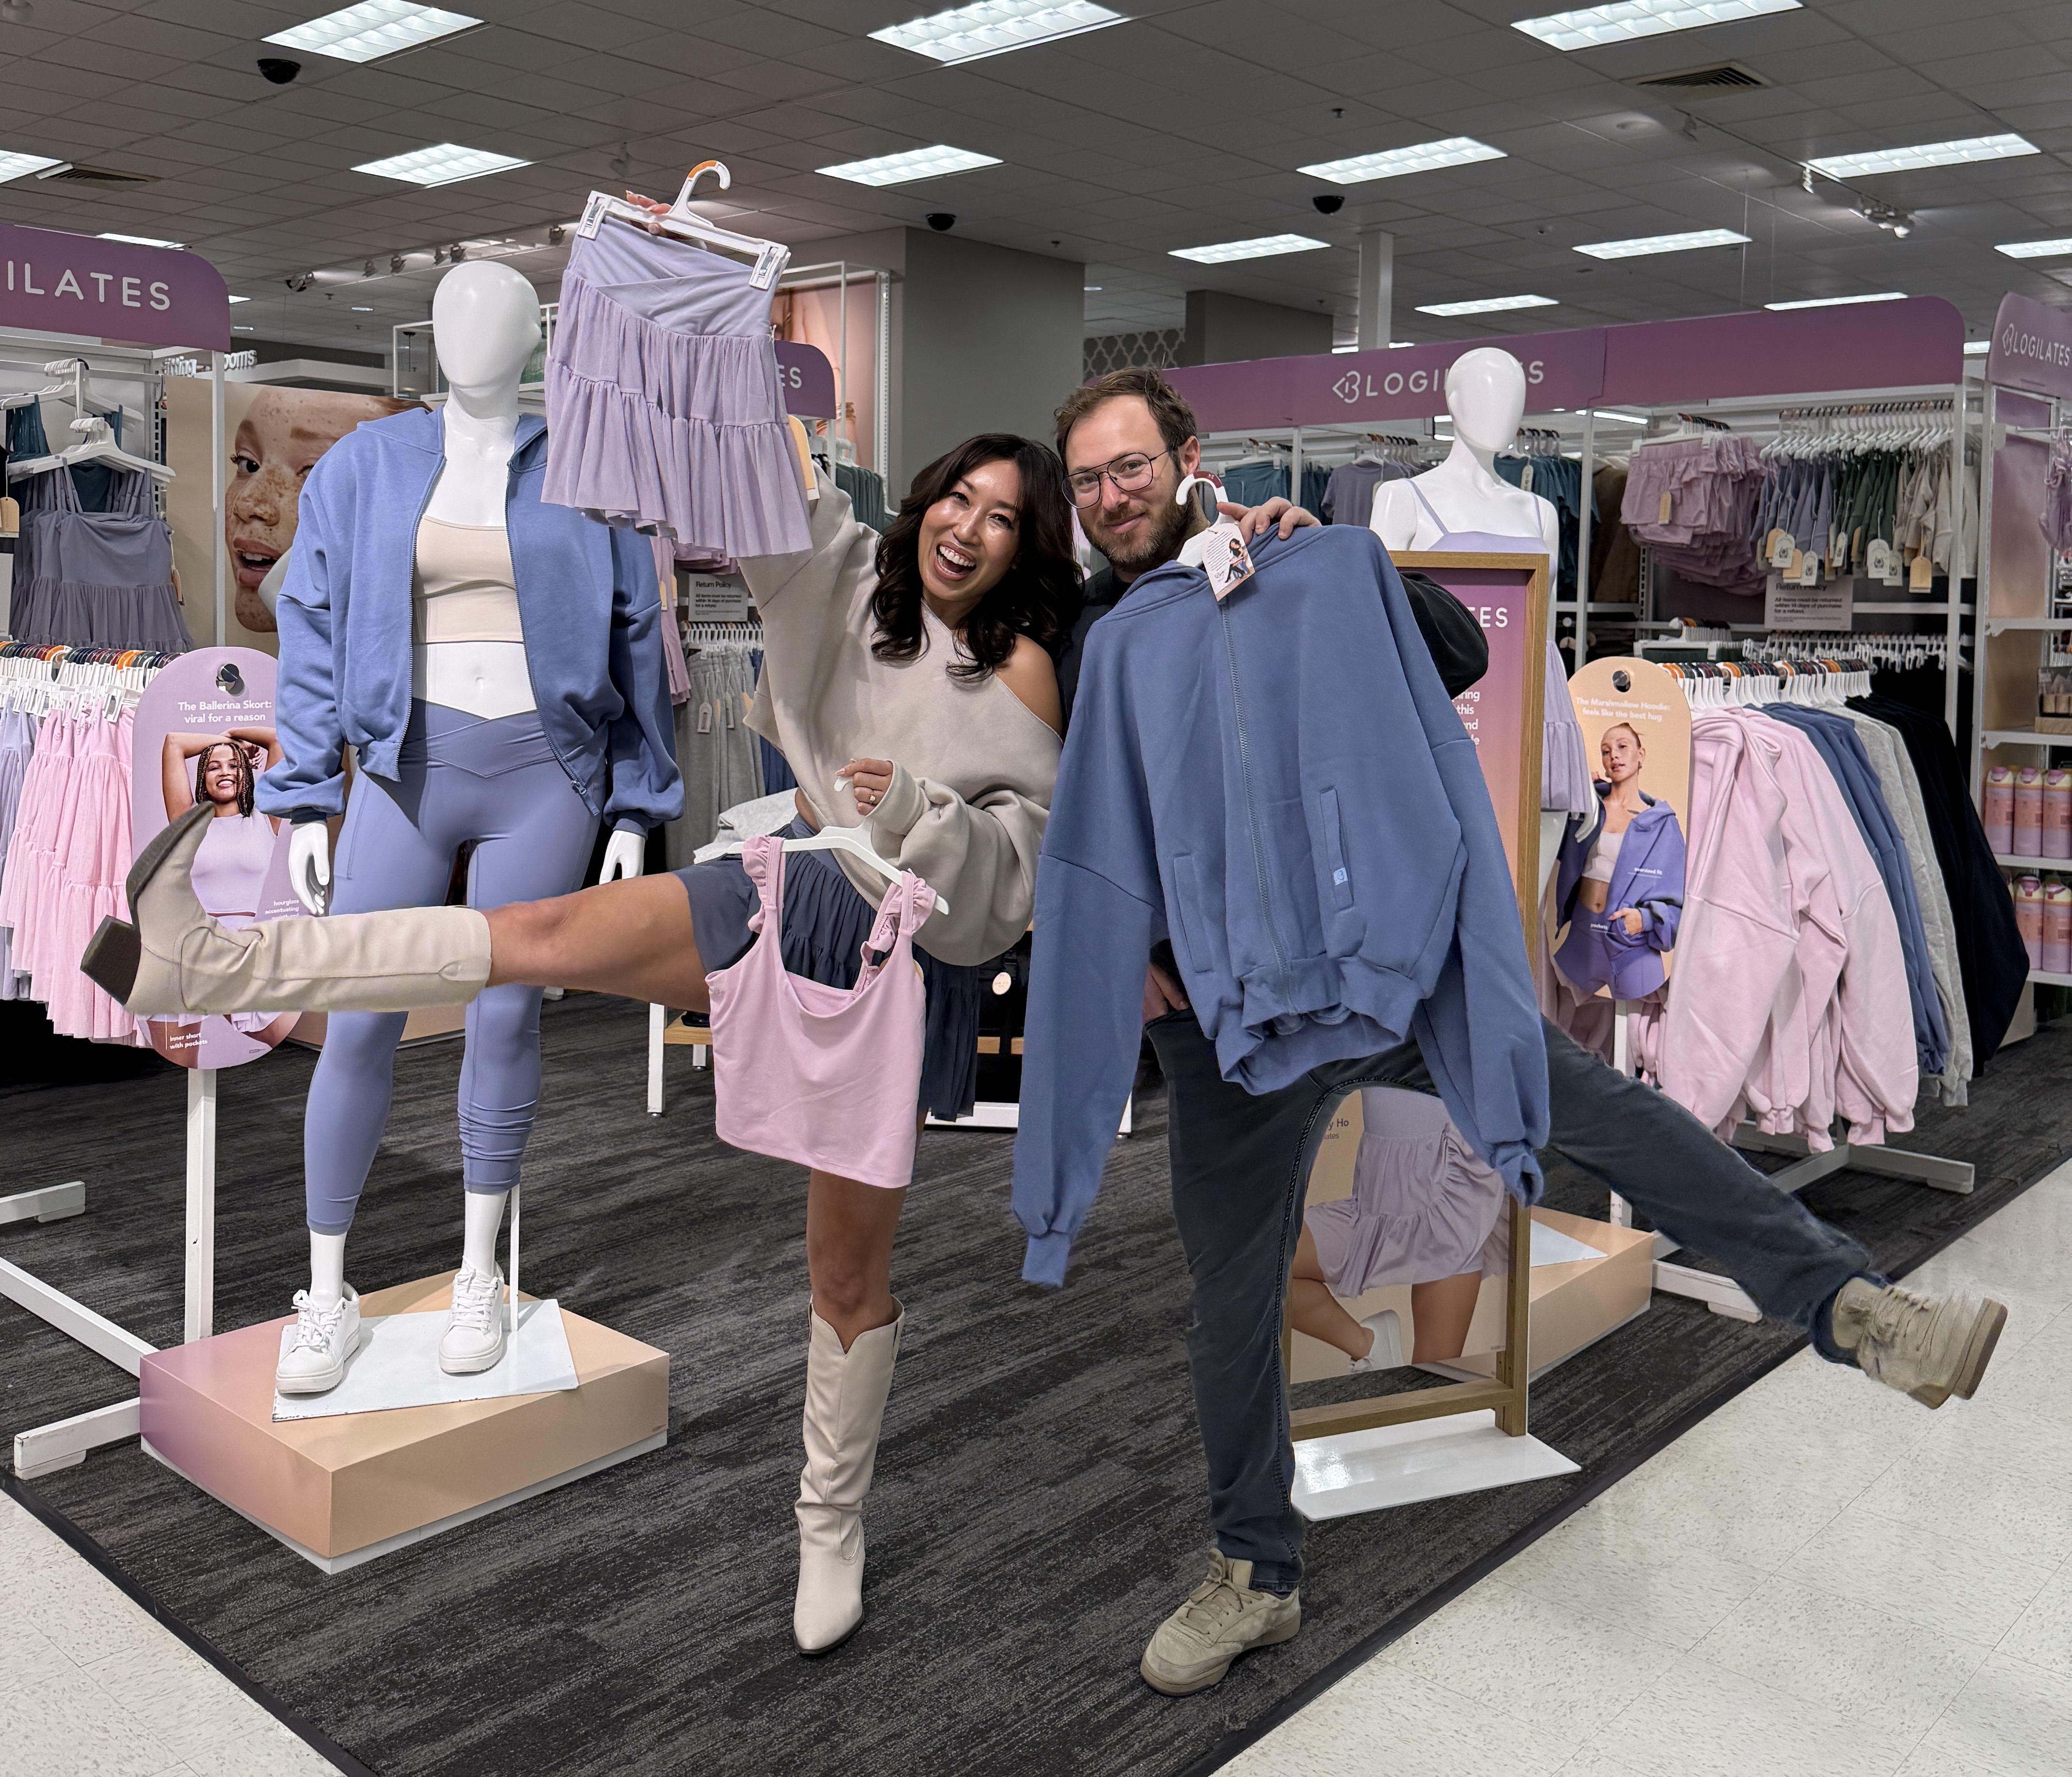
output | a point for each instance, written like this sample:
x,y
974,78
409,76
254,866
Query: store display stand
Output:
x,y
1392,1450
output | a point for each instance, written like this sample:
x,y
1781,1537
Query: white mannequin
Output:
x,y
1486,396
486,317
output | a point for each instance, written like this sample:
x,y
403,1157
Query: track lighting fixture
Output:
x,y
622,163
395,262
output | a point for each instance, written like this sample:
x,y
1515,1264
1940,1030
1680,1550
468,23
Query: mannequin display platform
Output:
x,y
1464,506
533,671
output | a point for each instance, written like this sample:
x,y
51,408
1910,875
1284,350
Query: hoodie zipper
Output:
x,y
1250,805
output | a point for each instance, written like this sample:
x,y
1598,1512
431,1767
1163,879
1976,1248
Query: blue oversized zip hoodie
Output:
x,y
587,596
1278,783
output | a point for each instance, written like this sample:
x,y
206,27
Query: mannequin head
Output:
x,y
1485,395
486,320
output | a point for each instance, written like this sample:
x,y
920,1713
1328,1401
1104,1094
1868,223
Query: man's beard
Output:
x,y
1156,543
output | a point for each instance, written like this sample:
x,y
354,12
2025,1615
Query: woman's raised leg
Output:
x,y
632,937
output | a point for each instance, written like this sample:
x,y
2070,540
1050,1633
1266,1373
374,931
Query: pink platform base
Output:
x,y
341,1491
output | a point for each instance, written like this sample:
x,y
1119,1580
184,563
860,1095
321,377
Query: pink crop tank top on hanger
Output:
x,y
827,1076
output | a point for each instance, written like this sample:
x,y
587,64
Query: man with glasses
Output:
x,y
1240,1160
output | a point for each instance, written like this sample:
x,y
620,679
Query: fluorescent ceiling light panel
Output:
x,y
1487,305
1977,348
146,240
1422,157
1590,27
241,299
1933,153
367,32
444,163
1643,244
1622,419
13,165
915,163
2034,249
992,27
1222,252
1838,302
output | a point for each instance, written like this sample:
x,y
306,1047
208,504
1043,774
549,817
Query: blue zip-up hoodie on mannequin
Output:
x,y
1279,783
587,596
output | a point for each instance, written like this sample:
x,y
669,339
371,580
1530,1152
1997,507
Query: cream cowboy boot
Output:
x,y
176,958
845,1394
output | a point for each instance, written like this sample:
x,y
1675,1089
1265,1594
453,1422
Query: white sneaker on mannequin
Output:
x,y
326,1334
475,1324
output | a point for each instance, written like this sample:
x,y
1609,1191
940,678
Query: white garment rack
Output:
x,y
1811,683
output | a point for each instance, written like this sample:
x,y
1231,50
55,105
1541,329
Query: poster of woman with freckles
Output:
x,y
273,436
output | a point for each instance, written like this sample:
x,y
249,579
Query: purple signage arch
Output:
x,y
1881,345
54,282
808,379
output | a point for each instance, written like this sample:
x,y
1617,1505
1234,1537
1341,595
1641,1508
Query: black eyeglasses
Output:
x,y
1131,473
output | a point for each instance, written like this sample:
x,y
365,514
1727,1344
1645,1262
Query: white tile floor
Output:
x,y
1821,1578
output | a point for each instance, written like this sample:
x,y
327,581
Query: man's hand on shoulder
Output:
x,y
1253,521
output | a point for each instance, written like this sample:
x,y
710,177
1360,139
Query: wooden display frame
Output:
x,y
1505,1393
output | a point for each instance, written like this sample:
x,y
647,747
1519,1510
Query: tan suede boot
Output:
x,y
845,1394
176,958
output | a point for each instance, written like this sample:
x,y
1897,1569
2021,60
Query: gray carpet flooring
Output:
x,y
1040,1500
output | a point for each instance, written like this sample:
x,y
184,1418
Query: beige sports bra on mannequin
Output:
x,y
462,588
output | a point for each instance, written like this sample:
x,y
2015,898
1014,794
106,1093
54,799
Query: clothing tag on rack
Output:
x,y
1877,559
1662,508
1809,574
1921,577
1220,553
1779,550
1525,479
704,718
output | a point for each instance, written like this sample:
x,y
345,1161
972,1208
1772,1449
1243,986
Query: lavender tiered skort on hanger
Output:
x,y
664,409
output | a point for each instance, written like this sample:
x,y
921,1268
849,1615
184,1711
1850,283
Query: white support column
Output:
x,y
1377,286
201,1205
658,1018
516,1191
1583,542
216,444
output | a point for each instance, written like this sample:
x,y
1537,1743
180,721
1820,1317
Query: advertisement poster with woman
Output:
x,y
204,735
1618,886
274,437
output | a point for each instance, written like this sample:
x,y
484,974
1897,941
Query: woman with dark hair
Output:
x,y
230,869
908,681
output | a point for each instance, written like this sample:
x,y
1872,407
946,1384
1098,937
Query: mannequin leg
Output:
x,y
483,1217
327,1268
386,858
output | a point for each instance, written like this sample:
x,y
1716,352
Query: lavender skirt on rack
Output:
x,y
664,409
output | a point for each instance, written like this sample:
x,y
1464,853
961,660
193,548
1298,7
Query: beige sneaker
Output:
x,y
1930,1347
1224,1617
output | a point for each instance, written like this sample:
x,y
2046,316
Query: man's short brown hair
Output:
x,y
1174,417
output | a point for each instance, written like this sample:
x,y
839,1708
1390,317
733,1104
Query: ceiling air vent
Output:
x,y
97,175
1713,77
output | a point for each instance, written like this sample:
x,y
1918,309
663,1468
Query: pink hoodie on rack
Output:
x,y
1736,946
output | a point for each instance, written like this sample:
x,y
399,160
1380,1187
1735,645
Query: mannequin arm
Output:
x,y
309,864
625,856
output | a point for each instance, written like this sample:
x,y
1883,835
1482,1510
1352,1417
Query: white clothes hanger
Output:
x,y
686,223
828,839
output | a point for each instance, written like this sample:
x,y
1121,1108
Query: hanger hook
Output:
x,y
697,172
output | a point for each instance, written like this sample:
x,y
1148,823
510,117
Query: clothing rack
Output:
x,y
1782,676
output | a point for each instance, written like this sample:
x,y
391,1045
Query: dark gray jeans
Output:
x,y
1240,1166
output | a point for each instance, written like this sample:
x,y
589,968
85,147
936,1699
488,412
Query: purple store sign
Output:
x,y
108,290
808,381
2032,348
1562,370
1882,345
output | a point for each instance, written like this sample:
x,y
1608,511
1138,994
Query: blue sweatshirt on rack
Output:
x,y
588,599
1279,784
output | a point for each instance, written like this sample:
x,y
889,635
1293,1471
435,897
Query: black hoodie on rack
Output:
x,y
1989,953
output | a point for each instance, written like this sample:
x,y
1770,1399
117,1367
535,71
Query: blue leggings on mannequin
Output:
x,y
461,780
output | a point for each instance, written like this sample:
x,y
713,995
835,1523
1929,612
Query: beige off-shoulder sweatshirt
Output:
x,y
976,766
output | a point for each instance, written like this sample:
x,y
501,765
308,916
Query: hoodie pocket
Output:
x,y
1337,874
1198,920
